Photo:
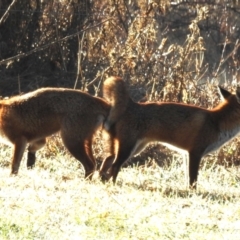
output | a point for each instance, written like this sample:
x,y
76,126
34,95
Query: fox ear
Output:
x,y
226,94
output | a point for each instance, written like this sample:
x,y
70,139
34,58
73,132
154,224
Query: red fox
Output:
x,y
30,118
196,130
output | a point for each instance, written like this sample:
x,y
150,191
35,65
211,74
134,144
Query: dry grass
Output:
x,y
53,201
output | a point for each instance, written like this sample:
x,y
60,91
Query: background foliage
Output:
x,y
165,50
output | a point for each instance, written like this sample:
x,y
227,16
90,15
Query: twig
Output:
x,y
79,63
222,60
60,48
95,79
21,55
4,17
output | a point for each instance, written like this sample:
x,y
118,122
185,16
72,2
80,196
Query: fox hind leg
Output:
x,y
127,149
89,152
19,147
79,148
124,153
112,149
107,163
32,148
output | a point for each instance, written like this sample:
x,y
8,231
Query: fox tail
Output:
x,y
115,92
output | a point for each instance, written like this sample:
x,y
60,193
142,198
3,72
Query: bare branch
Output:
x,y
21,55
5,15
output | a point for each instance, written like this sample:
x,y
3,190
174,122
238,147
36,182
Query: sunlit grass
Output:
x,y
53,201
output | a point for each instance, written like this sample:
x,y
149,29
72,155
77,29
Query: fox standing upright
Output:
x,y
193,129
31,117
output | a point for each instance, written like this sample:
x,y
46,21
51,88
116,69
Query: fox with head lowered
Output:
x,y
196,130
30,118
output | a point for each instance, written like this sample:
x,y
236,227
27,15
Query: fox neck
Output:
x,y
223,137
228,119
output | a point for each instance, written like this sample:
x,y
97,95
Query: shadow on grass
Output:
x,y
208,195
176,192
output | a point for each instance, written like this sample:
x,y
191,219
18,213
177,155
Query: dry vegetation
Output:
x,y
166,51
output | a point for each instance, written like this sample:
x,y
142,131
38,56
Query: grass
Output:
x,y
53,201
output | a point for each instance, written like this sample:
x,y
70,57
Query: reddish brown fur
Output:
x,y
193,129
115,98
30,118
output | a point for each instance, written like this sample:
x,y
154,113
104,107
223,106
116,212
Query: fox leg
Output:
x,y
194,162
19,147
185,157
77,147
89,152
127,149
123,154
32,148
107,163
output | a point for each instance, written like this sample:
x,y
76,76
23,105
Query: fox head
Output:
x,y
226,94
